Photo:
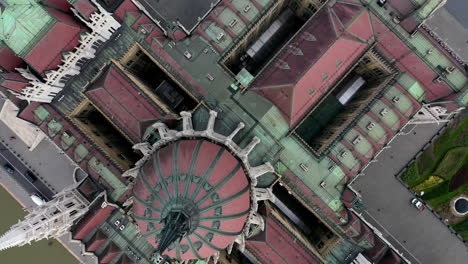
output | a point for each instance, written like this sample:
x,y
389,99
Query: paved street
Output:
x,y
421,236
54,169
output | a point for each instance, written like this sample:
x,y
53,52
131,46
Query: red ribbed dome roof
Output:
x,y
203,180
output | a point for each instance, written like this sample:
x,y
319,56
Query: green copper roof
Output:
x,y
22,22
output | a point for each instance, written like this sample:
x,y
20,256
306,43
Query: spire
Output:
x,y
176,226
52,219
12,238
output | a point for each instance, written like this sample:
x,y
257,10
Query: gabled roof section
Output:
x,y
84,7
13,81
120,99
329,43
9,60
279,246
63,36
95,217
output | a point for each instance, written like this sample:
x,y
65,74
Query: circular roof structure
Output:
x,y
461,205
193,191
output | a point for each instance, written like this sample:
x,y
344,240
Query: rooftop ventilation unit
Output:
x,y
370,126
384,112
304,167
381,3
396,99
247,8
357,140
449,69
66,134
344,154
220,36
233,23
210,77
323,184
188,55
437,80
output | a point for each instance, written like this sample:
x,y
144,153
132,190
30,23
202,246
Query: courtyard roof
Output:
x,y
315,58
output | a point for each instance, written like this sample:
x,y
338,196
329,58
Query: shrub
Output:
x,y
411,175
431,182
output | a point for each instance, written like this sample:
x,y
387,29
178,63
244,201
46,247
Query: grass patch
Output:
x,y
452,162
429,183
411,176
462,229
426,162
440,193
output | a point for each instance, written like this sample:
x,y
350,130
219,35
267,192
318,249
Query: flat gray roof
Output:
x,y
458,9
450,23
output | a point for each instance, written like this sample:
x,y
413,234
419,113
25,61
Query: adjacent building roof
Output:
x,y
276,244
118,97
20,23
173,13
9,60
47,53
319,54
201,179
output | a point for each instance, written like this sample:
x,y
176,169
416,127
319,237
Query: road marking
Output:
x,y
378,223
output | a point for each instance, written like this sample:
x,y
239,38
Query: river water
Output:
x,y
41,252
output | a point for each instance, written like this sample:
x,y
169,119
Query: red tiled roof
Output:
x,y
91,221
219,168
127,5
143,19
123,101
329,43
402,7
63,36
85,8
377,250
280,246
59,4
347,197
394,49
13,81
9,60
109,253
97,240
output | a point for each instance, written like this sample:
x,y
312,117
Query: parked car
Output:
x,y
37,199
418,204
9,168
30,176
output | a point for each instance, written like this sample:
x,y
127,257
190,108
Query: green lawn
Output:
x,y
462,228
452,162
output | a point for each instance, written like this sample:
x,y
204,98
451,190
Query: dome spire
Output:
x,y
176,226
195,191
